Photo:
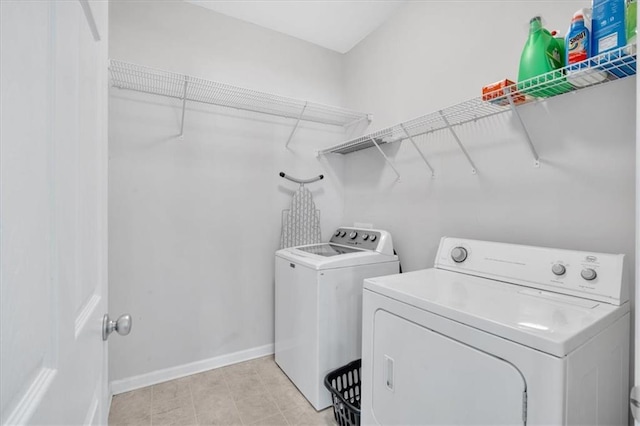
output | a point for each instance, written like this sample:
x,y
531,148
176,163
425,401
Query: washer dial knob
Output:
x,y
337,234
588,274
373,237
353,235
459,254
343,233
558,269
365,237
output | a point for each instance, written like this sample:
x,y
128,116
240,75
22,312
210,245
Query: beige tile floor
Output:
x,y
250,393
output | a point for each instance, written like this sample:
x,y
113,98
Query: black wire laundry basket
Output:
x,y
344,385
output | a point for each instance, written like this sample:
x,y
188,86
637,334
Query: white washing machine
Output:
x,y
498,334
318,307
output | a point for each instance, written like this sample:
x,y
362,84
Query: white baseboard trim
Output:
x,y
106,415
159,376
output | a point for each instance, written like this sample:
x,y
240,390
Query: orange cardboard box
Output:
x,y
494,93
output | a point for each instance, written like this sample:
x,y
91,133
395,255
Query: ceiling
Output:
x,y
336,25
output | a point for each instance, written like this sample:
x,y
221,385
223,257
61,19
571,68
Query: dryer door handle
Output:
x,y
388,372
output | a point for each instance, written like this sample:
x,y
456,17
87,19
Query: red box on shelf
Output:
x,y
495,93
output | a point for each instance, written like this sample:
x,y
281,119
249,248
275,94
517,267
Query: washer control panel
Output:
x,y
595,276
367,239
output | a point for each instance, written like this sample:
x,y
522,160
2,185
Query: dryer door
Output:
x,y
421,377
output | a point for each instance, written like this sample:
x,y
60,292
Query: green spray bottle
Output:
x,y
541,62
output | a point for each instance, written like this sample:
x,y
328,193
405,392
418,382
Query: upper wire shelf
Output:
x,y
609,66
144,79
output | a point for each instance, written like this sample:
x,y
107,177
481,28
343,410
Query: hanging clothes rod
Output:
x,y
301,181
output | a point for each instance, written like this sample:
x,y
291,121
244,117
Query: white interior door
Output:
x,y
53,212
637,287
635,412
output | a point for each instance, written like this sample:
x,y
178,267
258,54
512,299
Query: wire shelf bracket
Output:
x,y
293,132
93,27
457,139
415,145
516,113
184,105
367,117
386,158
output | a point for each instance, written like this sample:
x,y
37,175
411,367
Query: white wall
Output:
x,y
194,222
431,55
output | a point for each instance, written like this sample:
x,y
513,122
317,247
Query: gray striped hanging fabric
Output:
x,y
301,224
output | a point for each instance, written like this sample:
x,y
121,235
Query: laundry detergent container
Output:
x,y
541,64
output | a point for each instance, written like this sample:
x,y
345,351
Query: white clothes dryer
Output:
x,y
498,334
318,306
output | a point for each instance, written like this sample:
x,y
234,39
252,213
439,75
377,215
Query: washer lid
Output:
x,y
330,256
550,322
327,250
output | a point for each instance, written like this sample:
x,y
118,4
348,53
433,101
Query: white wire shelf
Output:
x,y
613,65
144,79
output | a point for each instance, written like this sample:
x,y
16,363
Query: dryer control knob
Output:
x,y
558,269
365,237
343,233
459,254
588,274
373,237
337,234
353,235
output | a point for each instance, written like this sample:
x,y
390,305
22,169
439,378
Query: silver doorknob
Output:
x,y
122,325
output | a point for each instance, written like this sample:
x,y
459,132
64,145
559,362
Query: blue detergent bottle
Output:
x,y
579,50
577,42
